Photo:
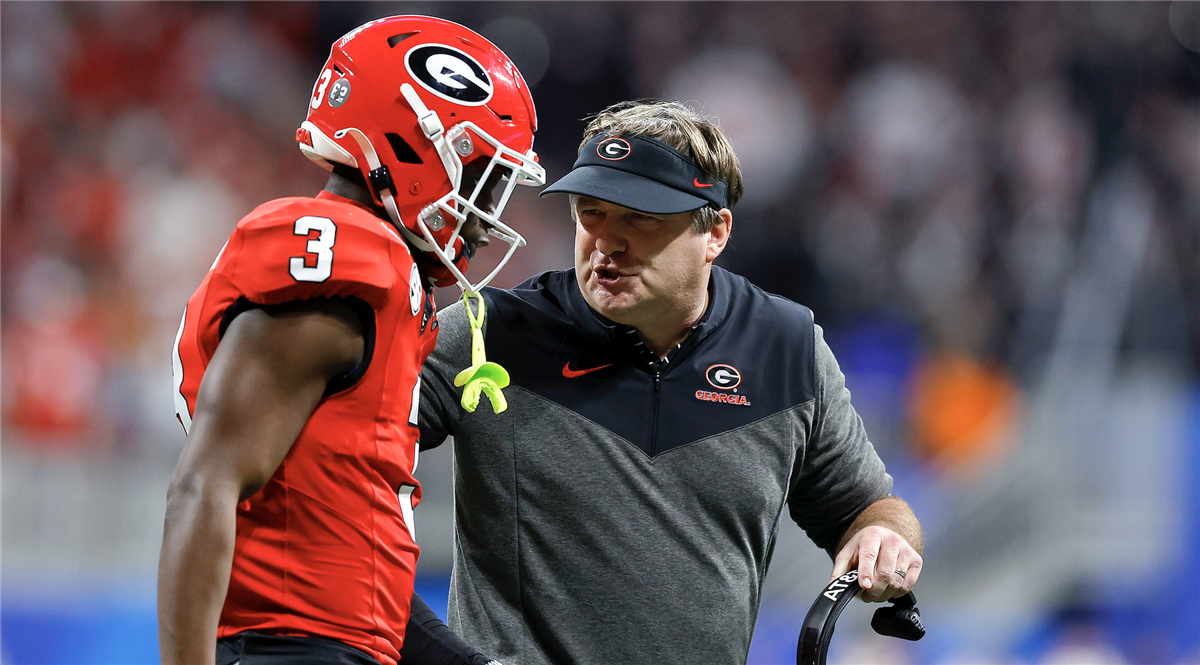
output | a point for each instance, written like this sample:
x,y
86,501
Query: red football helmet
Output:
x,y
407,100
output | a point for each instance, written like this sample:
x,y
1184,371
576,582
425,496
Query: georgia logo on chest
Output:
x,y
726,379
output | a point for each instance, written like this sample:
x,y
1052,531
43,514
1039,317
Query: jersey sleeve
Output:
x,y
440,408
303,252
841,474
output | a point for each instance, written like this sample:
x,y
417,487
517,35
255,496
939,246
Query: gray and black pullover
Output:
x,y
624,508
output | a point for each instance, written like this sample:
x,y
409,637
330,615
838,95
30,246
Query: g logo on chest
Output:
x,y
723,377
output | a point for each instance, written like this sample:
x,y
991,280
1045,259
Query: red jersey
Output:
x,y
325,548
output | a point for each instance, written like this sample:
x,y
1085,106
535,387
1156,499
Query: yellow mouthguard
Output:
x,y
482,376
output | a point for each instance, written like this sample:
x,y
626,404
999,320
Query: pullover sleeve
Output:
x,y
838,473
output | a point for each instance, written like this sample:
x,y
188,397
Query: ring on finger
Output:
x,y
901,573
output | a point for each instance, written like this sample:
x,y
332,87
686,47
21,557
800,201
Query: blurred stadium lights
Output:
x,y
523,41
909,123
1184,19
760,108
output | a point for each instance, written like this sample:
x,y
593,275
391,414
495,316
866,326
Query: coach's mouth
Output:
x,y
606,275
609,276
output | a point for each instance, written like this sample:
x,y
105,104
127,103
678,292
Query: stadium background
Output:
x,y
994,210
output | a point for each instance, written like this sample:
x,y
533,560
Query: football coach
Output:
x,y
662,414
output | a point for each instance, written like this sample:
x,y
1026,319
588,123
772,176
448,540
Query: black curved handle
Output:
x,y
901,619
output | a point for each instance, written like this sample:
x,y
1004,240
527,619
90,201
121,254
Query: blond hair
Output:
x,y
685,130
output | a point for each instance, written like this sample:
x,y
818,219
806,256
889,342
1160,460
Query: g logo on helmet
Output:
x,y
723,377
613,149
450,74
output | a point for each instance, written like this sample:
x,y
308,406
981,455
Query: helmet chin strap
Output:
x,y
482,376
427,244
435,132
385,195
431,125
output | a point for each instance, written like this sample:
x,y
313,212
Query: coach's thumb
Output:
x,y
841,565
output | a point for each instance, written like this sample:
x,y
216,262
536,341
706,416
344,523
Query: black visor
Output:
x,y
642,174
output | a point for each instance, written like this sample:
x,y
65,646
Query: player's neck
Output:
x,y
342,184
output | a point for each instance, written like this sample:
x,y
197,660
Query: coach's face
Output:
x,y
647,271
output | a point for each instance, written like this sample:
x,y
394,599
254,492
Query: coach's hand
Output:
x,y
888,566
884,543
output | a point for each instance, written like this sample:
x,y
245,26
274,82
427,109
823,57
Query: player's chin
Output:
x,y
470,249
475,239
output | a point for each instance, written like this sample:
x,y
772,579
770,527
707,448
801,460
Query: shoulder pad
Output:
x,y
300,248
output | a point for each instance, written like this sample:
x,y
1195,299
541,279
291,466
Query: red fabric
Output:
x,y
323,549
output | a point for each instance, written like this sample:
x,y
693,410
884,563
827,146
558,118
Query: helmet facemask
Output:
x,y
452,209
504,166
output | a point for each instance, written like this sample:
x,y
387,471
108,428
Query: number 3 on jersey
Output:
x,y
321,246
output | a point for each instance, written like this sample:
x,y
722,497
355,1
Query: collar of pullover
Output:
x,y
565,290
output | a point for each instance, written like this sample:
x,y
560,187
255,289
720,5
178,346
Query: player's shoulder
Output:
x,y
286,212
300,248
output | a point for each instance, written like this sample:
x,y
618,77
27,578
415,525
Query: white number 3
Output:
x,y
319,90
322,246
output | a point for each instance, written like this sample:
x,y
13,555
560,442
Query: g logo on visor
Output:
x,y
450,74
613,149
722,376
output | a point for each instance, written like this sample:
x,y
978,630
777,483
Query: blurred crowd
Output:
x,y
919,174
938,181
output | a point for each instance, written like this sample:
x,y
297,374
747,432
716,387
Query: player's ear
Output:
x,y
718,236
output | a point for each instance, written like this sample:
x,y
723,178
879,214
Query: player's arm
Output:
x,y
264,381
883,539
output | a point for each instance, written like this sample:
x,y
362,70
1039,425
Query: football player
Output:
x,y
289,528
